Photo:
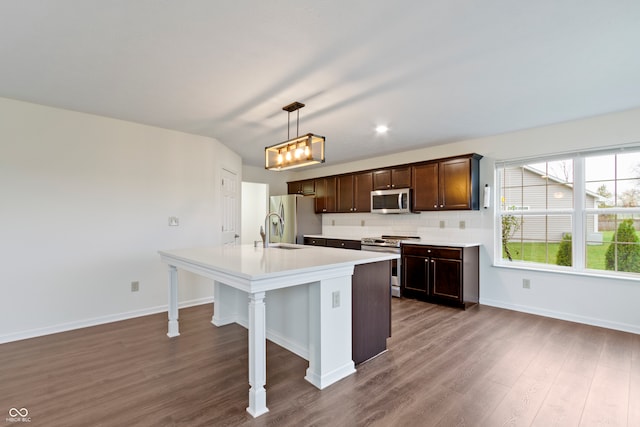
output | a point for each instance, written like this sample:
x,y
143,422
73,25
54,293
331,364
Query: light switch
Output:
x,y
173,221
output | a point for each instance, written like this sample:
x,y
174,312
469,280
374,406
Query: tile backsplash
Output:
x,y
450,226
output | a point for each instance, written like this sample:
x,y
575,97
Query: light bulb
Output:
x,y
288,156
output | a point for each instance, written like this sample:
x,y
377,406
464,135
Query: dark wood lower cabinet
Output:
x,y
447,275
371,309
414,276
315,241
333,243
343,244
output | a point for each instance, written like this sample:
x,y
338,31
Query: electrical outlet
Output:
x,y
526,283
442,224
173,221
362,223
462,225
336,299
135,286
333,222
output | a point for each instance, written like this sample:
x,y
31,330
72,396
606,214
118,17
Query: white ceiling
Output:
x,y
434,71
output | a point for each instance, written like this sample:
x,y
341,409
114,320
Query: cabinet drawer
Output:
x,y
432,251
344,244
315,241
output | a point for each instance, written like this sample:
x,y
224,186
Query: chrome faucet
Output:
x,y
267,227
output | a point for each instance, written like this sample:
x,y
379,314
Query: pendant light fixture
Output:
x,y
300,151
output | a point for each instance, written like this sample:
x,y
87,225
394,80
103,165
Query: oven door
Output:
x,y
396,267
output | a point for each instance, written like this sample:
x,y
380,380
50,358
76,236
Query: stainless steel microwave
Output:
x,y
395,201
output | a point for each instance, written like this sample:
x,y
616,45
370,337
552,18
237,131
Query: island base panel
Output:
x,y
227,312
330,357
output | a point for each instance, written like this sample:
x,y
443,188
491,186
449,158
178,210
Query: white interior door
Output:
x,y
230,207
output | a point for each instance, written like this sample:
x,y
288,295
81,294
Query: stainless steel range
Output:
x,y
390,244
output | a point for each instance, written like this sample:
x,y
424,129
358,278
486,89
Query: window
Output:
x,y
579,212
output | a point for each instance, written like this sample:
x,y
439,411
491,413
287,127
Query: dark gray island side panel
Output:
x,y
371,309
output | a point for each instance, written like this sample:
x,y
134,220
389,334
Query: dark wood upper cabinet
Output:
x,y
456,184
444,184
325,194
425,187
448,184
353,192
306,187
363,184
344,193
384,179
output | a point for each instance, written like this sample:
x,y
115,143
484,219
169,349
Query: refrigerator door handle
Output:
x,y
283,219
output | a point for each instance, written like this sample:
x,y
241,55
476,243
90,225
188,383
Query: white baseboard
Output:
x,y
336,375
288,344
278,339
618,326
85,323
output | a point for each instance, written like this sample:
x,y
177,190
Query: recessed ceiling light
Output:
x,y
382,129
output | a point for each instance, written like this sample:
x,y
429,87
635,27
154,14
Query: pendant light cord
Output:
x,y
295,106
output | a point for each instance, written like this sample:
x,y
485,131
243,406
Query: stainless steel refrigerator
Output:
x,y
299,218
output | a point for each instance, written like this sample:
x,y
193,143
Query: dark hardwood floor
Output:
x,y
444,367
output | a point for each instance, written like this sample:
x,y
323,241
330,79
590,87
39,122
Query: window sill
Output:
x,y
589,273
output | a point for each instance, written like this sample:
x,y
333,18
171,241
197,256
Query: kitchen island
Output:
x,y
289,276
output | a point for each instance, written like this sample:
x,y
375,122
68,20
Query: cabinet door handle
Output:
x,y
442,206
435,206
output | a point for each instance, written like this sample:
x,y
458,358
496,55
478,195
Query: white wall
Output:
x,y
255,200
599,301
277,180
85,202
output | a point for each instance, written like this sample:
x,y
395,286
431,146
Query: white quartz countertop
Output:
x,y
255,263
422,241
